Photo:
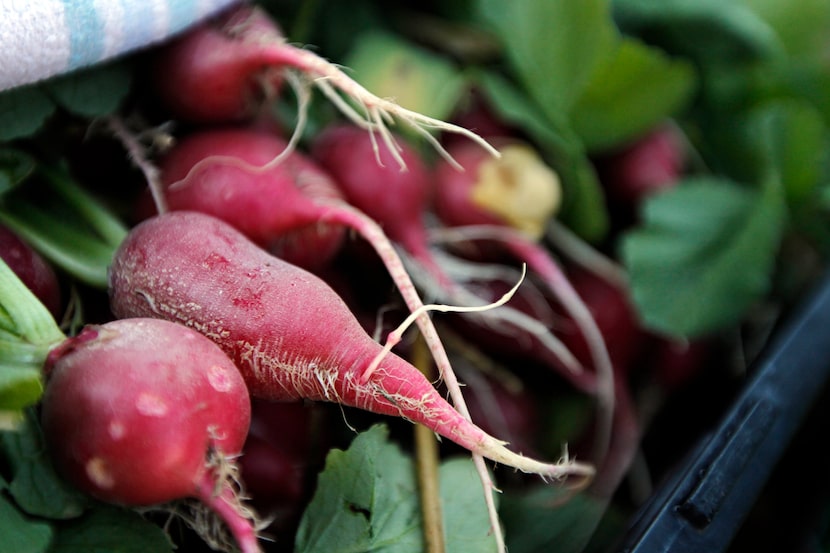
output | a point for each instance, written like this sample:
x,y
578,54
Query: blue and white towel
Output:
x,y
43,38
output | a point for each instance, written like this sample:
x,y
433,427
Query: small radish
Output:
x,y
284,450
225,69
289,333
644,167
395,198
517,190
30,267
224,172
142,411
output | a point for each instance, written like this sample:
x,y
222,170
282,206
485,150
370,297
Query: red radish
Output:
x,y
649,164
395,198
144,411
289,333
223,172
219,72
34,271
285,448
676,363
616,318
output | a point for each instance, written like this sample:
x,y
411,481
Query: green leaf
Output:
x,y
704,254
719,31
367,501
19,534
66,224
792,143
630,92
364,500
15,167
801,26
35,485
22,314
108,529
23,111
92,92
20,385
466,521
540,520
27,332
583,207
413,77
552,45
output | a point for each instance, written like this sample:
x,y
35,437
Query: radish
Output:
x,y
289,333
30,267
225,172
142,412
228,173
642,168
226,69
397,199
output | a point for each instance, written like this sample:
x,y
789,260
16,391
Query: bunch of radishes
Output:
x,y
223,293
212,307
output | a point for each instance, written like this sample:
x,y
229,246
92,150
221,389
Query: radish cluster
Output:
x,y
221,298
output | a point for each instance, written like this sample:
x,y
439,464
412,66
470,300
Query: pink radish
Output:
x,y
647,165
228,173
288,332
144,411
223,71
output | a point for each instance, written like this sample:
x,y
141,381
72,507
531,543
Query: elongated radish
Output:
x,y
287,331
227,173
143,411
223,70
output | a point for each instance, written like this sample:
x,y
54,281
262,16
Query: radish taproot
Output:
x,y
289,333
223,70
142,412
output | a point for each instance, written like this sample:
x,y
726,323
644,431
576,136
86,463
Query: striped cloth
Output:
x,y
43,38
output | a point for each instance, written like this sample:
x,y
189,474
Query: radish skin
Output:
x,y
142,412
225,69
288,332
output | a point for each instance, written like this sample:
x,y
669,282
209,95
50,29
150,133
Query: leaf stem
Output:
x,y
426,464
